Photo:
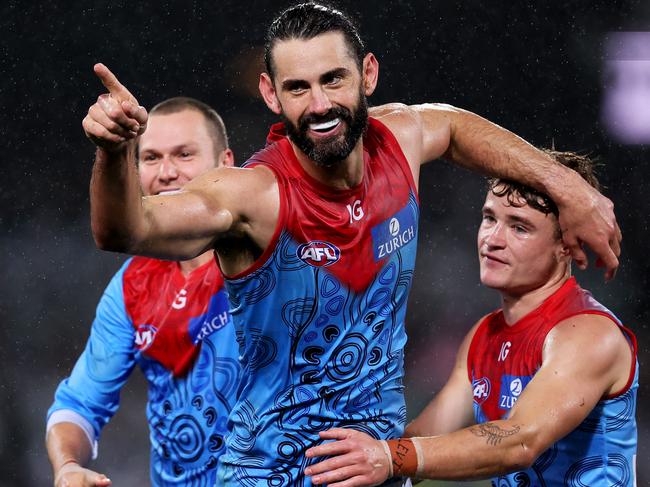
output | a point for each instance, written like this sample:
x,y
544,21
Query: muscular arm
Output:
x,y
226,202
451,408
181,225
430,131
585,358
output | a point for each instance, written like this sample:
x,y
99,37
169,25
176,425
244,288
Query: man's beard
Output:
x,y
330,151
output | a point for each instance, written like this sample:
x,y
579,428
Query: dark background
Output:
x,y
536,69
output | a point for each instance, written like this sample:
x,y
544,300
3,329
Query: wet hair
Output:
x,y
214,123
519,195
308,20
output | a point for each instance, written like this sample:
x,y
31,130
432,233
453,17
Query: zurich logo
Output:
x,y
318,253
516,387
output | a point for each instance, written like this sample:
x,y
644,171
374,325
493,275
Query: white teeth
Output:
x,y
169,191
324,125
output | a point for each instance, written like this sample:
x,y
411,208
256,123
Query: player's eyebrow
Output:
x,y
293,84
520,219
334,73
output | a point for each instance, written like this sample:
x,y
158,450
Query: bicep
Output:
x,y
222,202
422,131
581,359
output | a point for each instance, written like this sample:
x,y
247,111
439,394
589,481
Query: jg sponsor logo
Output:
x,y
144,336
318,253
356,211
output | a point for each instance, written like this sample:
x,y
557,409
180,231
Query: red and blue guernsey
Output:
x,y
320,316
503,359
178,329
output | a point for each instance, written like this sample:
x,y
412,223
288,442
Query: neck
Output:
x,y
187,266
345,175
516,306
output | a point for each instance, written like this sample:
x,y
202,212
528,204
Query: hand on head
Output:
x,y
594,224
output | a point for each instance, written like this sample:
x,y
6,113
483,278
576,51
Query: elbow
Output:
x,y
113,241
523,455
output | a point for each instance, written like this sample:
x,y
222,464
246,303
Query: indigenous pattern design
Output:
x,y
320,316
178,330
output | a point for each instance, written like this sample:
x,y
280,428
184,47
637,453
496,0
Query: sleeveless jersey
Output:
x,y
320,315
503,359
178,330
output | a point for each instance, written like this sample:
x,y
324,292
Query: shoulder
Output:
x,y
468,341
588,337
402,120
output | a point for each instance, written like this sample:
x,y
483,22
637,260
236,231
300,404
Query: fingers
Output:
x,y
336,469
100,135
101,480
575,247
115,123
342,477
337,434
328,449
137,113
112,84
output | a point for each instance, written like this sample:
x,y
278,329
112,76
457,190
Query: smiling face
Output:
x,y
520,249
320,94
176,148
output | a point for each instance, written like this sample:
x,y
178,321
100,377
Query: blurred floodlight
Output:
x,y
626,87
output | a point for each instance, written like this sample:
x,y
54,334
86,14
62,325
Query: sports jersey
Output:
x,y
178,330
503,359
320,315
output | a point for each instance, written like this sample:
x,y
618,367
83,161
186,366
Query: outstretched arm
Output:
x,y
176,226
430,131
587,347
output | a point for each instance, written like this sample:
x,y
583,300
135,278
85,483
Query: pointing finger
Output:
x,y
111,83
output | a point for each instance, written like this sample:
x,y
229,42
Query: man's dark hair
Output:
x,y
214,123
519,194
308,20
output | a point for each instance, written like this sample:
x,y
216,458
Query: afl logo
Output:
x,y
318,253
144,336
481,389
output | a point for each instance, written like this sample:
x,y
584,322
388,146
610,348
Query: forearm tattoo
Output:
x,y
493,433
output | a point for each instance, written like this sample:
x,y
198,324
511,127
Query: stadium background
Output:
x,y
537,69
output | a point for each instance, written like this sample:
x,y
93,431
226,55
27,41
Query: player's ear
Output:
x,y
267,91
370,73
563,251
227,158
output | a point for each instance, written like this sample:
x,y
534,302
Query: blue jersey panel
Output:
x,y
316,355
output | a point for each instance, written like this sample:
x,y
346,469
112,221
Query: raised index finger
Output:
x,y
111,83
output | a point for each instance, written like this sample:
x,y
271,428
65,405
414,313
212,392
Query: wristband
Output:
x,y
404,457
